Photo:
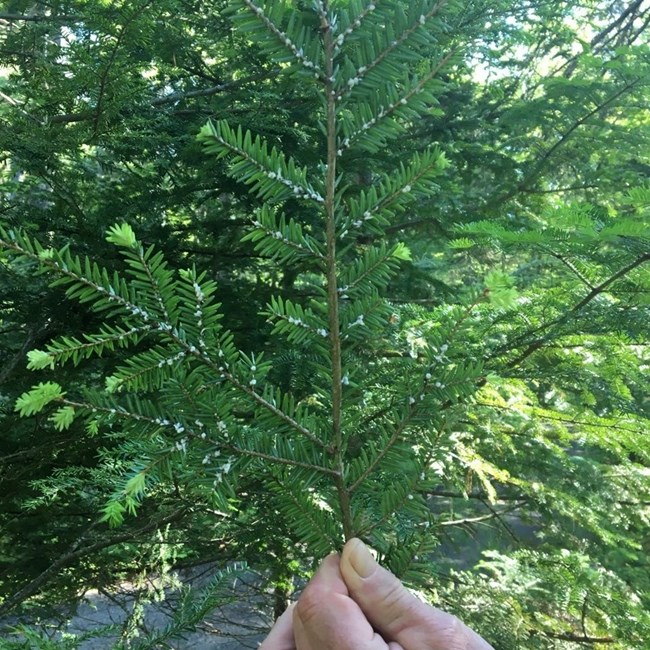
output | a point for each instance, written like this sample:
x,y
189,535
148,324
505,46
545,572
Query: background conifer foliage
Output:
x,y
275,274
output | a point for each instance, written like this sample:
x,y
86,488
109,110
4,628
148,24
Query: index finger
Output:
x,y
281,635
326,617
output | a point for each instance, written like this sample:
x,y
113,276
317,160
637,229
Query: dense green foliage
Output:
x,y
397,288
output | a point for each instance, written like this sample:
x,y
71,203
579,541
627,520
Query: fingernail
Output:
x,y
361,560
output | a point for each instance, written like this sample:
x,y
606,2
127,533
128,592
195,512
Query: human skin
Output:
x,y
352,603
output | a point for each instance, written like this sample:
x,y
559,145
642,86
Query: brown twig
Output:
x,y
331,272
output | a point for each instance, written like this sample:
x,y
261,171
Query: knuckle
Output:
x,y
459,635
310,603
446,632
402,607
395,594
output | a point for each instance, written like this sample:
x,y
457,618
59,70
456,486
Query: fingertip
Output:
x,y
328,576
358,556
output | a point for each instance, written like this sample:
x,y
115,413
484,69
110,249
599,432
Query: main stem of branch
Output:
x,y
332,287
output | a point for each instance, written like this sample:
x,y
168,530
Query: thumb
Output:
x,y
396,613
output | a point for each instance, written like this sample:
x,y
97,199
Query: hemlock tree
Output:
x,y
398,412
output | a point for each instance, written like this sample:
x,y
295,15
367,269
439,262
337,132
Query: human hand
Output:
x,y
352,603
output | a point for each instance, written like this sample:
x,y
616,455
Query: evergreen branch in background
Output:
x,y
538,165
539,342
532,176
36,18
77,551
194,607
104,76
161,102
642,259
